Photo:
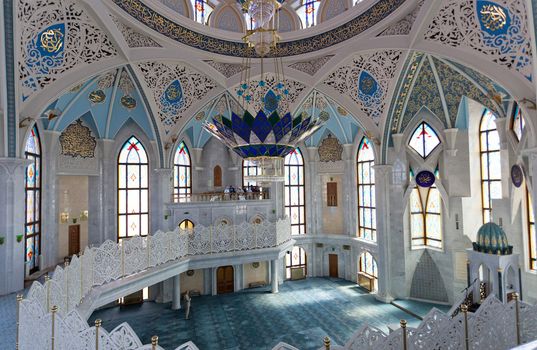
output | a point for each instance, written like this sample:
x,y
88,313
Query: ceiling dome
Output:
x,y
491,239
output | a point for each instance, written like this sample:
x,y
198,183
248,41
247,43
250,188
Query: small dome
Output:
x,y
491,239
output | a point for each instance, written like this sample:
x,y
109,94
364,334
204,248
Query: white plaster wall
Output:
x,y
77,201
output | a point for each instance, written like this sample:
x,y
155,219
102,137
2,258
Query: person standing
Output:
x,y
187,305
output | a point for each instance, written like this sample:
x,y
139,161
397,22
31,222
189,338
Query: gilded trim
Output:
x,y
149,17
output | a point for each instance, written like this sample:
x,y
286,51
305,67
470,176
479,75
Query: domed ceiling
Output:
x,y
387,60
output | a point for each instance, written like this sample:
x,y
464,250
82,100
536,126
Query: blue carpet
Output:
x,y
301,315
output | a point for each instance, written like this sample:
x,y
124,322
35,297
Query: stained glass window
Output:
x,y
295,199
32,232
202,10
249,168
186,225
532,239
307,12
518,123
368,267
367,218
182,173
133,190
295,259
425,225
424,140
491,176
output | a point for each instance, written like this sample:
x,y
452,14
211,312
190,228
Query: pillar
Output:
x,y
383,190
161,217
176,296
12,196
274,279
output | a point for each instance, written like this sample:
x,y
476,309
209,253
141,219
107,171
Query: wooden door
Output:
x,y
224,280
217,176
74,239
332,265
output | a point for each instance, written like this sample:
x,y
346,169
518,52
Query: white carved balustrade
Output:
x,y
493,326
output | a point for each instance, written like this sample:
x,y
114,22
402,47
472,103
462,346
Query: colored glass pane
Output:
x,y
182,169
294,191
489,141
366,191
424,140
32,230
518,123
133,190
295,259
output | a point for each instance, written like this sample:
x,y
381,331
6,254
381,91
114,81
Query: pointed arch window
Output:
x,y
295,259
532,237
133,190
424,140
425,217
307,12
295,200
518,123
367,222
182,173
32,232
491,176
202,11
249,168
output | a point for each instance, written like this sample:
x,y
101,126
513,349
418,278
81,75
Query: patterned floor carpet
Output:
x,y
301,315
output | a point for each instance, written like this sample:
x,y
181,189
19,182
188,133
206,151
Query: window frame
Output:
x,y
178,196
140,167
289,265
289,188
360,165
486,153
424,211
425,155
37,205
248,169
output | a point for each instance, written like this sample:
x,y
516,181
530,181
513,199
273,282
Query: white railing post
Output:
x,y
66,273
52,338
47,286
81,279
98,323
19,301
211,239
122,258
517,318
148,244
403,327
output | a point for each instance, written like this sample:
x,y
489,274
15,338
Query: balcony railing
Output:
x,y
220,196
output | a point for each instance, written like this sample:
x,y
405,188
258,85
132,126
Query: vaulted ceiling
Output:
x,y
414,54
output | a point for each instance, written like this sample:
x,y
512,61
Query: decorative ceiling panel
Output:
x,y
56,37
134,38
497,30
175,88
403,26
366,80
312,66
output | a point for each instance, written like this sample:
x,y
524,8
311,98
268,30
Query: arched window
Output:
x,y
295,259
182,172
307,12
424,140
249,168
202,10
294,191
367,219
32,208
491,176
133,190
186,225
532,239
518,123
425,225
368,267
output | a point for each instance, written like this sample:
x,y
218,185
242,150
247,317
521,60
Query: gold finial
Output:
x,y
402,323
19,297
98,322
515,296
464,308
47,277
326,341
54,309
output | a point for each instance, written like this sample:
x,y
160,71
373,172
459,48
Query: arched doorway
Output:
x,y
225,280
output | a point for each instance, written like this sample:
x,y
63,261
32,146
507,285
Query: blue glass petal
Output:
x,y
240,127
261,126
282,127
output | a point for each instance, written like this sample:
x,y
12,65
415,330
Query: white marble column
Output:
x,y
314,206
275,272
382,189
49,199
176,296
350,196
12,196
161,195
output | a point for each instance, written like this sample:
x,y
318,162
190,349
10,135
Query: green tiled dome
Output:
x,y
491,239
